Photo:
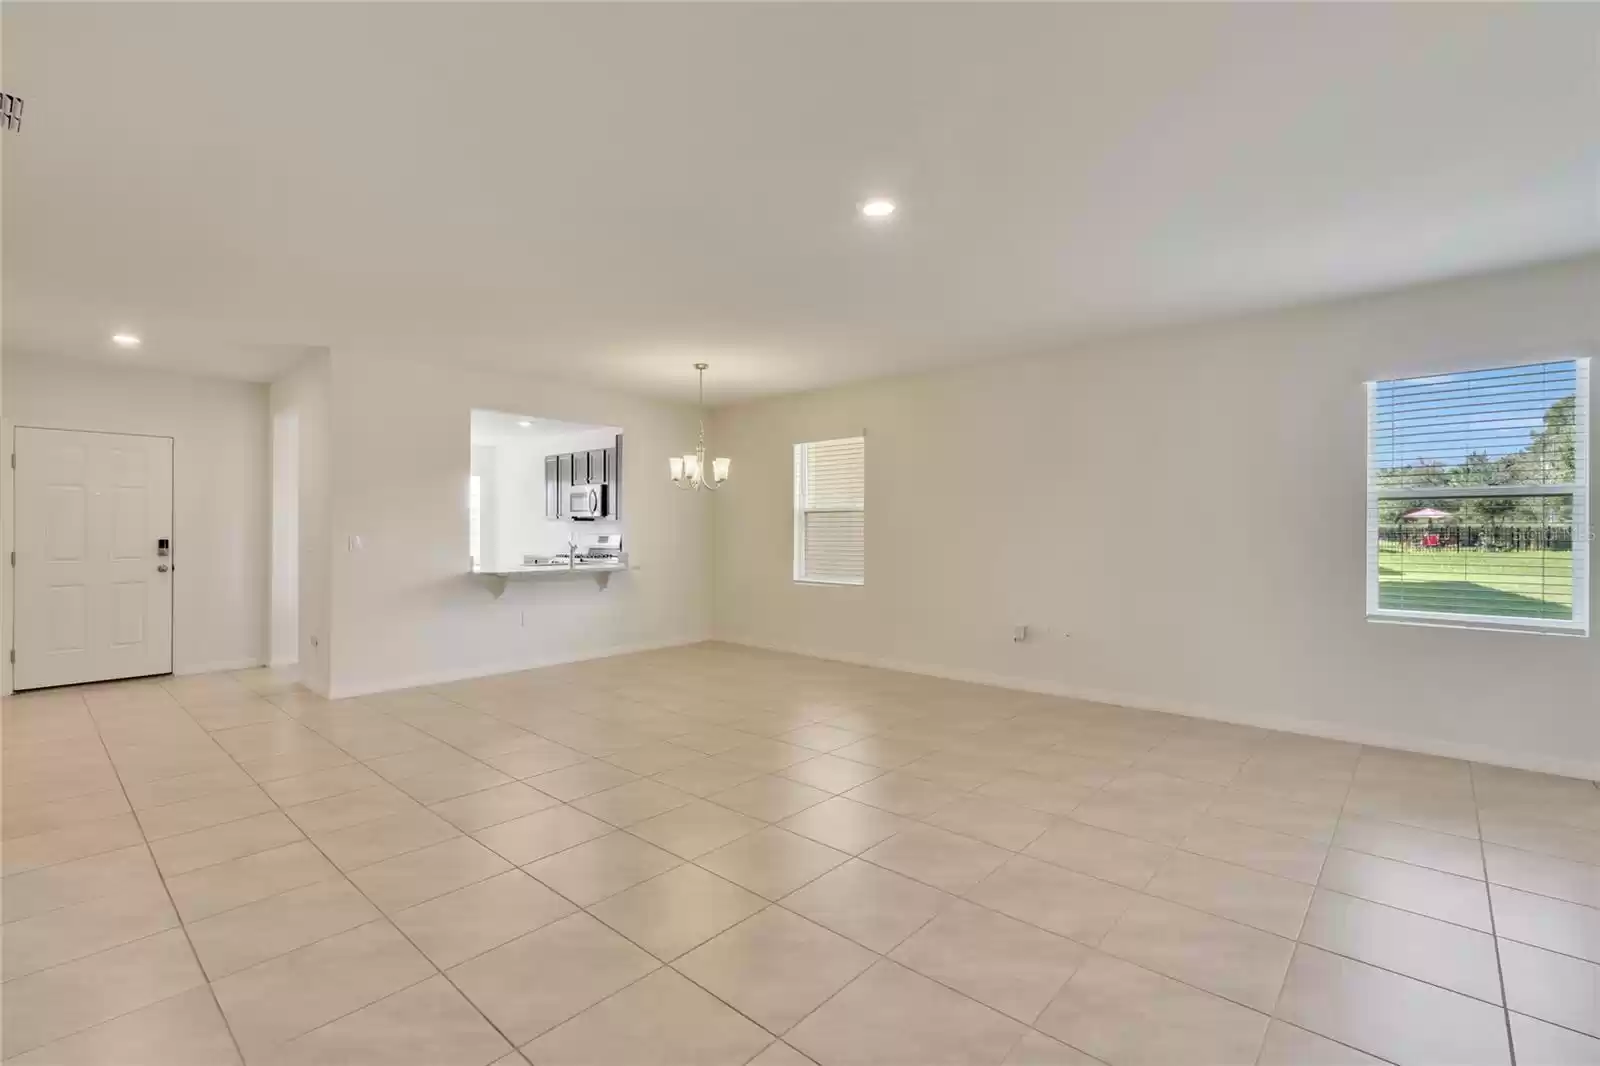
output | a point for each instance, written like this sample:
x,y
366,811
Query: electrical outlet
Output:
x,y
1019,634
355,542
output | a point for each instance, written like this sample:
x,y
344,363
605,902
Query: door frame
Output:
x,y
8,531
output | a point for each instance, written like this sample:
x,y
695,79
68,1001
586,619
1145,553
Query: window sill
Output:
x,y
827,583
1480,622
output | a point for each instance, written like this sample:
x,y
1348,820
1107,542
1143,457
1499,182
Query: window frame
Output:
x,y
801,481
1582,519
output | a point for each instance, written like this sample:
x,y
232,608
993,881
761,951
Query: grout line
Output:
x,y
1488,895
161,875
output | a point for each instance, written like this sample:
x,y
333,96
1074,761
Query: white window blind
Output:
x,y
830,519
1478,498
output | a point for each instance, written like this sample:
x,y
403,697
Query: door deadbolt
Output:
x,y
161,569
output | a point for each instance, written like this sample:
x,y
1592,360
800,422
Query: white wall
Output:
x,y
221,471
305,393
284,636
1179,517
405,610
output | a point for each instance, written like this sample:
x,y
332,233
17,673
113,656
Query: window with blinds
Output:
x,y
830,514
1478,498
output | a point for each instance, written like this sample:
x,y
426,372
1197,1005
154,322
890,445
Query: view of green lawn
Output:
x,y
1530,584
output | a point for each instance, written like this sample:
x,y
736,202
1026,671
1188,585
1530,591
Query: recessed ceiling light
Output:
x,y
126,340
524,423
877,208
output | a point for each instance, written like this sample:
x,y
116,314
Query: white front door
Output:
x,y
93,594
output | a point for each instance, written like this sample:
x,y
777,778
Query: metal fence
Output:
x,y
1419,536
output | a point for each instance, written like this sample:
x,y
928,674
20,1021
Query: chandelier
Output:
x,y
689,471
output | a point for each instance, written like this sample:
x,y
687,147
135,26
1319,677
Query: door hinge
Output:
x,y
13,656
13,558
13,460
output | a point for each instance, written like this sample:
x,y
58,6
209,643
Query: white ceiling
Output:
x,y
617,191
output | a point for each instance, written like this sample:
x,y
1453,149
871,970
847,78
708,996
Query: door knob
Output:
x,y
161,569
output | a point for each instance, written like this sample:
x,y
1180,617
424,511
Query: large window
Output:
x,y
1478,497
830,516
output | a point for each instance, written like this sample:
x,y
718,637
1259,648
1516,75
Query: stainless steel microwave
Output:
x,y
587,501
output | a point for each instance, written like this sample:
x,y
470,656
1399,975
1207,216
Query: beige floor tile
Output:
x,y
1415,805
1551,987
868,904
469,921
1129,1016
223,886
186,1030
1546,838
333,813
678,910
59,936
1036,1049
1387,1015
1274,904
408,879
1542,1044
1013,967
602,867
1265,850
772,862
50,888
705,776
695,828
831,774
1553,924
247,935
1271,810
939,858
633,802
1404,843
534,758
75,841
533,836
1225,958
58,1002
1544,875
1101,853
780,1054
885,753
321,784
1288,1045
776,967
539,980
821,737
581,779
768,756
845,824
663,1020
428,1024
147,794
1451,956
282,998
1062,901
770,798
992,821
383,838
294,763
653,758
492,806
903,794
890,1016
220,843
1036,793
453,782
1158,821
1413,888
30,820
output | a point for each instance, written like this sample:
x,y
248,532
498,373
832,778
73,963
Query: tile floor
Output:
x,y
714,855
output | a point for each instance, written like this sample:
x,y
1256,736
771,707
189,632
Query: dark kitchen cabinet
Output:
x,y
552,487
563,472
597,466
580,468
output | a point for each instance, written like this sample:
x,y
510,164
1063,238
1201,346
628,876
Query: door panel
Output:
x,y
91,604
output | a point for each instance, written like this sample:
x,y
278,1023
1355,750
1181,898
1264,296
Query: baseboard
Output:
x,y
278,664
1544,764
341,691
217,667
